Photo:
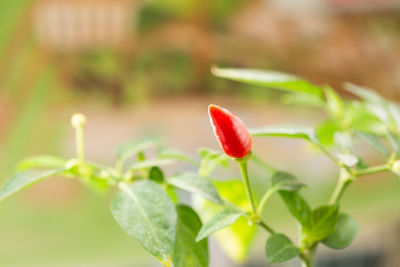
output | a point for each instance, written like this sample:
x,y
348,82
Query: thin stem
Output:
x,y
327,153
345,179
245,176
307,256
80,149
264,200
266,227
78,121
372,170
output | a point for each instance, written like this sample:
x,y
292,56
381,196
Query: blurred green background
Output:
x,y
141,67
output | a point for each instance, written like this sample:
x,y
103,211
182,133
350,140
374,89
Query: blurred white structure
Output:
x,y
79,24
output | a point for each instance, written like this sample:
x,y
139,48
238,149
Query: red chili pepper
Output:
x,y
232,134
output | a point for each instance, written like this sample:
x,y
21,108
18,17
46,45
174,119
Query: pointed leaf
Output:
x,y
173,153
221,220
43,161
374,141
344,234
234,240
364,93
145,212
25,179
130,149
279,248
335,103
285,181
194,183
322,222
291,131
150,163
210,160
297,206
270,79
187,251
156,175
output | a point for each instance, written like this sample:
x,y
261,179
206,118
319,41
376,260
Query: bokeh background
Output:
x,y
142,67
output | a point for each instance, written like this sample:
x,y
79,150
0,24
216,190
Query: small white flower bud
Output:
x,y
78,120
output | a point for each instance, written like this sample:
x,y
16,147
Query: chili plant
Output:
x,y
146,203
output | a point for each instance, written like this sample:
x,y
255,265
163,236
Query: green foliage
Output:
x,y
221,220
321,223
132,148
270,79
150,163
145,212
289,131
25,179
297,206
344,234
147,206
210,160
156,175
374,142
44,161
285,181
188,252
194,183
173,153
279,248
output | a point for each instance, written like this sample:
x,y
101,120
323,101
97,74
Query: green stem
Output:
x,y
307,254
307,258
345,179
266,227
245,176
328,154
372,170
264,200
80,150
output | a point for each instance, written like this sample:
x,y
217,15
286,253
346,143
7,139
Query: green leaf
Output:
x,y
326,131
364,93
150,163
43,161
279,248
272,79
348,160
156,175
173,153
130,149
302,99
194,183
187,251
344,234
210,160
292,131
234,240
394,140
221,220
322,222
25,179
297,206
335,103
285,181
145,212
374,141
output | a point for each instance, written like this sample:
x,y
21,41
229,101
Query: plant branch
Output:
x,y
372,170
345,179
264,200
245,176
266,227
